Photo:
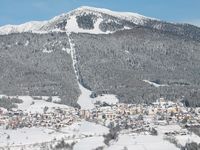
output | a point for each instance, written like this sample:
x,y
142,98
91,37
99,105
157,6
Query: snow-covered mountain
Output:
x,y
83,19
122,51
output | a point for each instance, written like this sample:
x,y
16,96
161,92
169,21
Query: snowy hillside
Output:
x,y
83,19
26,27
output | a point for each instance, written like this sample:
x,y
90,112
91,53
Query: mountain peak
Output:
x,y
83,19
124,15
87,19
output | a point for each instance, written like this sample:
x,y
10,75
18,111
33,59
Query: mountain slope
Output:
x,y
37,64
137,58
121,62
100,21
83,19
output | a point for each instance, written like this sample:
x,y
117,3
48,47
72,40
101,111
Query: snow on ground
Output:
x,y
136,18
26,27
181,139
141,142
72,26
56,99
87,128
33,106
27,101
89,143
90,129
66,50
148,142
27,43
108,98
47,51
39,105
86,102
40,26
77,131
154,84
168,128
26,136
89,136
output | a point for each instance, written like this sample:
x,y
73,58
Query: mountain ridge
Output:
x,y
59,23
117,63
37,26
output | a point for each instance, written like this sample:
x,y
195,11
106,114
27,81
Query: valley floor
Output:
x,y
40,124
87,136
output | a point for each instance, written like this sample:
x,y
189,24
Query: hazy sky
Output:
x,y
20,11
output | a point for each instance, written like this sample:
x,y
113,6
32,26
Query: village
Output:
x,y
125,116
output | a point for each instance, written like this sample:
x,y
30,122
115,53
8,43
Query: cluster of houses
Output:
x,y
132,116
160,112
54,119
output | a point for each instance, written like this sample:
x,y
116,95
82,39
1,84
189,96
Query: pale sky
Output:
x,y
20,11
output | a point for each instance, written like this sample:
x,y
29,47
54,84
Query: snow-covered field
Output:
x,y
141,142
86,102
89,136
37,106
86,128
144,141
181,139
89,143
26,136
79,131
